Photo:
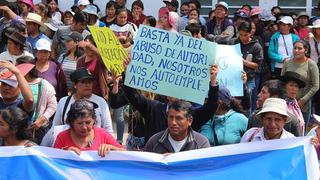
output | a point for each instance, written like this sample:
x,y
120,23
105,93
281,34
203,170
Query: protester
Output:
x,y
68,17
82,4
137,9
79,25
93,16
193,17
220,28
252,54
15,47
178,136
314,40
83,134
69,59
92,61
308,69
281,46
273,117
302,29
110,17
155,112
124,30
228,124
274,89
34,23
51,28
165,21
13,85
26,7
83,82
293,83
184,9
48,69
150,21
42,10
45,101
14,128
54,10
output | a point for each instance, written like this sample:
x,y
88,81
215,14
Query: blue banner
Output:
x,y
280,159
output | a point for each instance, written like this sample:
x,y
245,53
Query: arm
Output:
x,y
23,85
51,101
314,75
225,36
272,53
204,113
8,11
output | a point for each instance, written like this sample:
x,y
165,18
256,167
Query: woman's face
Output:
x,y
292,89
137,9
244,37
164,20
122,18
24,7
70,44
4,129
111,12
193,15
84,87
298,50
68,19
43,55
83,126
53,6
12,46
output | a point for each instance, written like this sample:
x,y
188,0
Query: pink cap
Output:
x,y
255,11
27,2
163,11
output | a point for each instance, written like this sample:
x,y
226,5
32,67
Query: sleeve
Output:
x,y
58,143
314,75
149,145
57,120
258,54
47,140
272,53
117,100
243,124
295,128
56,37
247,135
106,117
50,94
225,36
204,113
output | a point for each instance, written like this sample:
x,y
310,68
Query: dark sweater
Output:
x,y
155,112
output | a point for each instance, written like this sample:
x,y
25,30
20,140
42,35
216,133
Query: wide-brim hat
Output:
x,y
35,18
302,14
27,2
80,74
17,37
91,9
315,24
293,76
275,105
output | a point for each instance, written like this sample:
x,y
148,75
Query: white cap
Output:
x,y
315,24
287,20
275,105
83,2
43,44
223,4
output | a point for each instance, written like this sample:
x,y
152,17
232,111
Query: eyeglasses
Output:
x,y
82,104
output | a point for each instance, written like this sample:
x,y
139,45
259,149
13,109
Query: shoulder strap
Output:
x,y
253,134
65,108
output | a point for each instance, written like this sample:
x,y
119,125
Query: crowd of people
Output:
x,y
56,91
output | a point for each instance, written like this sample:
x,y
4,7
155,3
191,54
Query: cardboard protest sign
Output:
x,y
110,49
229,60
170,64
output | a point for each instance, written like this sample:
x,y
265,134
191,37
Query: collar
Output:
x,y
165,136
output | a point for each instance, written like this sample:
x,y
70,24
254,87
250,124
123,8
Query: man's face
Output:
x,y
303,21
273,124
220,12
32,27
9,92
262,96
178,123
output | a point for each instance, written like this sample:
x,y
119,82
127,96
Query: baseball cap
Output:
x,y
80,74
83,2
43,44
287,20
75,36
222,4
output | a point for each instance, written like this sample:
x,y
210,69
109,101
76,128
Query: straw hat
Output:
x,y
275,105
35,18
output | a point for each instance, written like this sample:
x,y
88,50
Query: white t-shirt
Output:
x,y
177,145
282,48
9,57
257,134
